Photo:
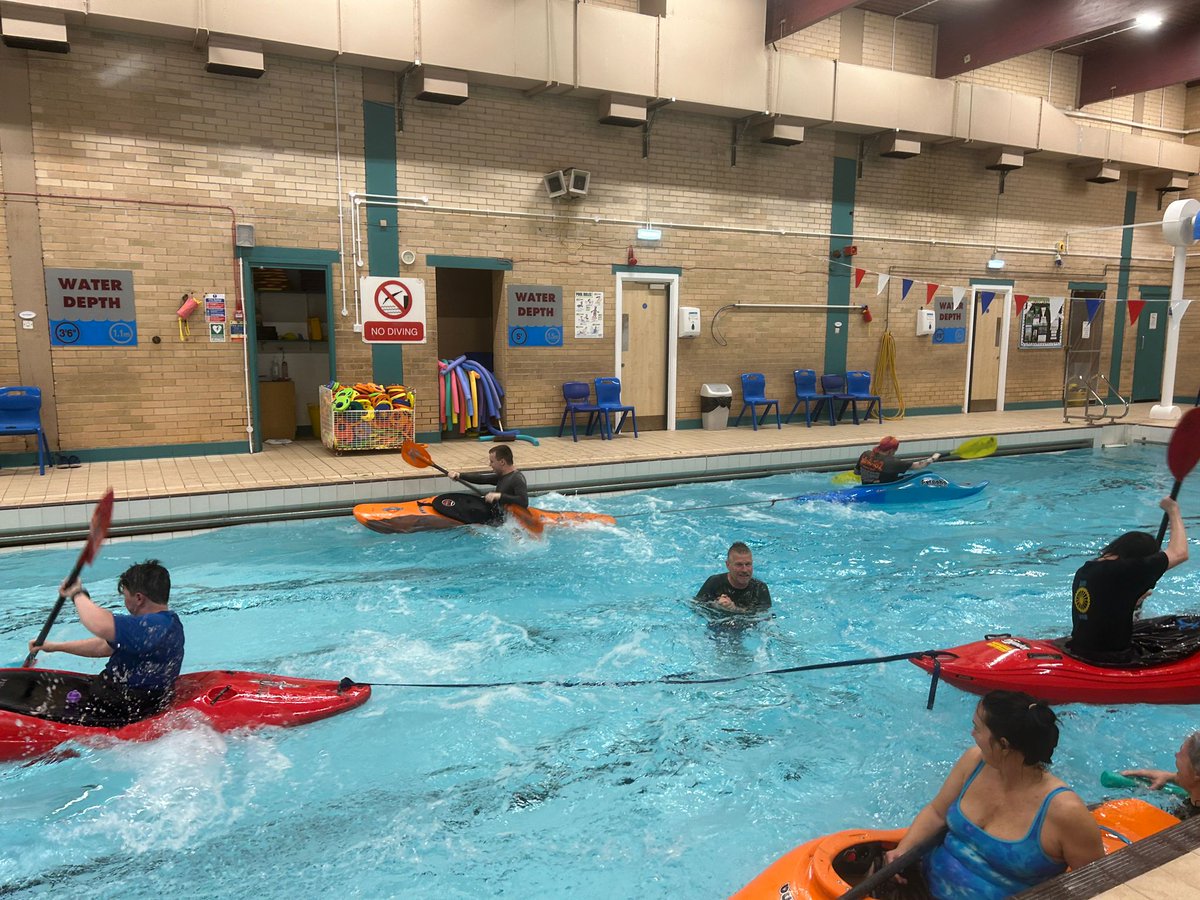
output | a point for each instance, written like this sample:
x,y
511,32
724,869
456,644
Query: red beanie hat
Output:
x,y
888,443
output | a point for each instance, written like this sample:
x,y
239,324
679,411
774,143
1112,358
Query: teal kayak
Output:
x,y
922,487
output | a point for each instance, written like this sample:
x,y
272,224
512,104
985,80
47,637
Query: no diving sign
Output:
x,y
392,310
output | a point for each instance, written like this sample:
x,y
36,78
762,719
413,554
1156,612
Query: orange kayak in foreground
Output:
x,y
829,866
420,515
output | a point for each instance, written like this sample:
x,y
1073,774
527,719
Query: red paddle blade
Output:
x,y
416,455
101,519
1184,450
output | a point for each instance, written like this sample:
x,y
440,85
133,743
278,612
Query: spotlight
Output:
x,y
996,262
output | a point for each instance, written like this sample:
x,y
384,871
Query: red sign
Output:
x,y
394,331
393,299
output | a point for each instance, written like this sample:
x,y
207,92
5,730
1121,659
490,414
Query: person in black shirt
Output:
x,y
880,466
1186,775
736,590
1108,591
510,483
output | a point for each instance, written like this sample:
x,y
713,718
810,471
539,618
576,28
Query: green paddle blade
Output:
x,y
977,448
844,478
1117,780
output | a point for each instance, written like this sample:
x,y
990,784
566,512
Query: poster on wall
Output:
x,y
1042,323
535,315
589,314
951,323
91,308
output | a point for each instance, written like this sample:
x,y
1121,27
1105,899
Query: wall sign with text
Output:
x,y
535,317
91,308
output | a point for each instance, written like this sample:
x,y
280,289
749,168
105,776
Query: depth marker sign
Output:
x,y
392,310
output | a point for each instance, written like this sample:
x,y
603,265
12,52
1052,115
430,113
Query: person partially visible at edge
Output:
x,y
736,589
880,466
144,649
510,483
1034,826
1186,775
1107,593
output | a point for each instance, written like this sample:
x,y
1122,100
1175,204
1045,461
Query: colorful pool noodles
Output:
x,y
469,397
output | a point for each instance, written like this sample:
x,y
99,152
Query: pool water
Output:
x,y
546,791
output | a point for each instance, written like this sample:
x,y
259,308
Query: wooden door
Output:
x,y
644,309
985,355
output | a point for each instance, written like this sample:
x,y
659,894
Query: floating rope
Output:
x,y
680,678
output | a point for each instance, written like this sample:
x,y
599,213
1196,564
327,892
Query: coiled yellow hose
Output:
x,y
885,375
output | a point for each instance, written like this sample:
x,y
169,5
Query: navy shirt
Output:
x,y
147,651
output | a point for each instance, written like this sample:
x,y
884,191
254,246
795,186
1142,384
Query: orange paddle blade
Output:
x,y
526,517
416,455
1184,450
101,520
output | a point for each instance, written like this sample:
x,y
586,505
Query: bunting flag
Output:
x,y
1179,307
1135,309
930,290
1021,300
958,296
1093,306
883,280
858,276
905,286
985,299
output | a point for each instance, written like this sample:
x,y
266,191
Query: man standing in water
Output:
x,y
736,590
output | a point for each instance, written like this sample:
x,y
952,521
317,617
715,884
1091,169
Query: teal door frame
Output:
x,y
1151,344
281,258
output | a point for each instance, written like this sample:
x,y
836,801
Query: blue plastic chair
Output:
x,y
806,393
754,386
858,385
834,388
578,397
21,413
608,401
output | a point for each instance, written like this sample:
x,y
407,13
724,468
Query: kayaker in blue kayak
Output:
x,y
736,590
144,650
880,466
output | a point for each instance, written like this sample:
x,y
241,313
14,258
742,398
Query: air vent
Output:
x,y
441,90
1005,161
1177,182
226,59
619,112
32,29
899,148
779,134
1104,175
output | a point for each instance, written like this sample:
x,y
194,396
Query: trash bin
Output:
x,y
715,400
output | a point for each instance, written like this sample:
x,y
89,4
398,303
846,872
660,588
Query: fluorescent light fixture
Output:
x,y
649,234
995,262
1148,21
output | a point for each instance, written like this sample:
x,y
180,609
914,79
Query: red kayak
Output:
x,y
1045,670
221,700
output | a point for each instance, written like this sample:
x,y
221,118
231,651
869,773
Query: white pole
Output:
x,y
1179,232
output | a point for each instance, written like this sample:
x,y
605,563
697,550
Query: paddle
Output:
x,y
418,457
865,887
974,448
101,519
1117,780
1182,454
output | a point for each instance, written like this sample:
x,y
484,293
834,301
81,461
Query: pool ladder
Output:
x,y
1082,399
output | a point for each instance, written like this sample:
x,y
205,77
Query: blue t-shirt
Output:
x,y
147,651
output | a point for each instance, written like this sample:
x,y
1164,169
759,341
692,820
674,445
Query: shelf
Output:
x,y
293,346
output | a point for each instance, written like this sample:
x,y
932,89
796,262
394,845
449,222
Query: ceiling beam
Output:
x,y
786,17
1000,31
1167,57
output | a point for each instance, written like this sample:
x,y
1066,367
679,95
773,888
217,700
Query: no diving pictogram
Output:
x,y
393,299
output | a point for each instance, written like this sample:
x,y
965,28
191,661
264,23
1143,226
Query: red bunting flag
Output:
x,y
1135,309
930,290
1021,300
858,276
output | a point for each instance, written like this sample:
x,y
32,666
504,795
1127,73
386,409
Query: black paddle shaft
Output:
x,y
1162,528
58,605
899,864
476,488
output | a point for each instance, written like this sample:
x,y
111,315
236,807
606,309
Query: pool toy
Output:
x,y
1117,780
1043,668
922,487
470,399
221,700
420,515
830,866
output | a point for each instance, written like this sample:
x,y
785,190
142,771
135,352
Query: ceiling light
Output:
x,y
1148,21
995,262
649,234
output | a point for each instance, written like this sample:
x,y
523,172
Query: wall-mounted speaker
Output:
x,y
244,236
578,181
556,183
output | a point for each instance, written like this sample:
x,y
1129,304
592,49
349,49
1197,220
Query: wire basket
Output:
x,y
364,429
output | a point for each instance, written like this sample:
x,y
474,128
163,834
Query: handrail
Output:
x,y
1090,389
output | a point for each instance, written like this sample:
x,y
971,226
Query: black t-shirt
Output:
x,y
753,598
880,468
1104,597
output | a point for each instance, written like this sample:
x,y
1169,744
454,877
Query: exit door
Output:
x,y
644,335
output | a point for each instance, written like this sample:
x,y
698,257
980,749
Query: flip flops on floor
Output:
x,y
66,461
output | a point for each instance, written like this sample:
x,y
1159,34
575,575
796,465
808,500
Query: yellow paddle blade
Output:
x,y
977,448
843,478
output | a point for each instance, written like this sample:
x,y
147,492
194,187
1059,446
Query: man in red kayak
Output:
x,y
509,481
144,649
1108,591
880,466
736,590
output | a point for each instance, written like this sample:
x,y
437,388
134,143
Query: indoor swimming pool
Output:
x,y
606,790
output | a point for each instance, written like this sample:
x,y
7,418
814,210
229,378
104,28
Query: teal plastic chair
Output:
x,y
21,413
754,388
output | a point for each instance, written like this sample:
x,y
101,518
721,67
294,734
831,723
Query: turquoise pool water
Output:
x,y
544,791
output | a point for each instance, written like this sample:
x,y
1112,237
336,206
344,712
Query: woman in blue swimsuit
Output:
x,y
1011,824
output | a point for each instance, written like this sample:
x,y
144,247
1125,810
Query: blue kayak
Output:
x,y
922,487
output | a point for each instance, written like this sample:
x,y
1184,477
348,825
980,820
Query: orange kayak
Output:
x,y
829,866
420,515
